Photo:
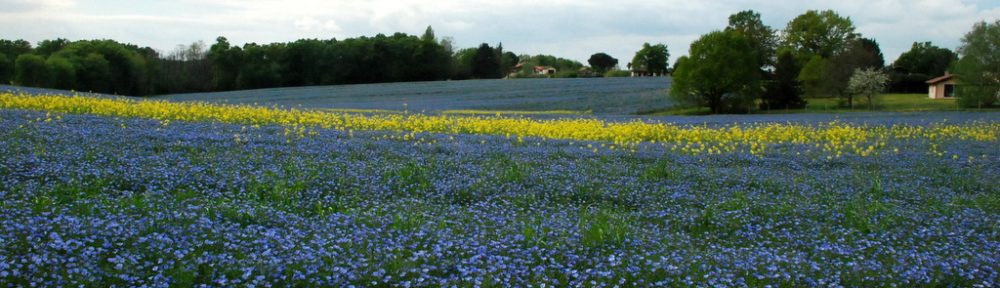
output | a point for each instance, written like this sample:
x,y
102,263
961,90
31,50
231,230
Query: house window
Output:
x,y
949,91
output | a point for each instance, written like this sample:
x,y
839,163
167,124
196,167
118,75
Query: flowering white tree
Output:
x,y
868,83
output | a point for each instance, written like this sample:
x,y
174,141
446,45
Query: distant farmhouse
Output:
x,y
942,87
545,70
643,73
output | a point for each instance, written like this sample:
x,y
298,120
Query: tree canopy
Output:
x,y
979,68
763,39
107,66
652,59
868,83
860,53
485,63
922,62
720,72
783,90
822,33
602,62
925,58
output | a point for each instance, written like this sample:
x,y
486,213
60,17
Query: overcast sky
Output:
x,y
572,29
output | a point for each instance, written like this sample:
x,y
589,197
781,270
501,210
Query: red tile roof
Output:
x,y
946,77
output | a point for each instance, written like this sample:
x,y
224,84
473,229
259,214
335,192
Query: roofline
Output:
x,y
946,77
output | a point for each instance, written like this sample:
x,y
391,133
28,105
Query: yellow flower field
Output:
x,y
833,137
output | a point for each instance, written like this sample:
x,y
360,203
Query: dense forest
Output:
x,y
107,66
791,62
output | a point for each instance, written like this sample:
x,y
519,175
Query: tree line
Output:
x,y
107,66
819,54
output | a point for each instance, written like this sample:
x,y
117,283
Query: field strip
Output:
x,y
831,136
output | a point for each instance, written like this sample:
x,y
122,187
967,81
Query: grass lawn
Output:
x,y
884,102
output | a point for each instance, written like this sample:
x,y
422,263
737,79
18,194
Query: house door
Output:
x,y
949,91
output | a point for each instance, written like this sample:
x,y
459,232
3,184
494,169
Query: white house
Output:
x,y
545,70
942,87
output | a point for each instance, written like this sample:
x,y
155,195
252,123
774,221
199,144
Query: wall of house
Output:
x,y
937,91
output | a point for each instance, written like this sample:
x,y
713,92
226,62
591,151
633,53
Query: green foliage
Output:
x,y
819,33
485,63
508,60
94,73
651,59
828,77
62,73
867,211
30,70
860,54
925,58
14,48
6,69
102,66
603,228
888,102
48,47
811,75
602,62
783,90
9,51
979,68
662,170
570,67
617,73
763,38
462,64
396,58
922,62
226,63
868,82
185,70
721,73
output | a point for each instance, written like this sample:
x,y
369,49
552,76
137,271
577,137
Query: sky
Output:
x,y
573,29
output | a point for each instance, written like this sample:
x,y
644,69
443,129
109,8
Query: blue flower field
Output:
x,y
102,201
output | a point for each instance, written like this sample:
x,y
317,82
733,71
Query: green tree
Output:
x,y
94,73
462,63
62,73
925,58
485,63
783,89
226,61
867,82
48,47
652,59
428,35
979,68
9,51
822,33
812,76
14,48
860,54
922,62
433,57
261,67
763,38
31,71
6,69
508,61
720,73
602,62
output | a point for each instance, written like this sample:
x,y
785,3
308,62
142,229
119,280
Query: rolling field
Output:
x,y
583,95
108,191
